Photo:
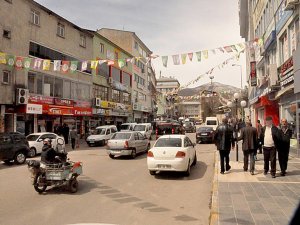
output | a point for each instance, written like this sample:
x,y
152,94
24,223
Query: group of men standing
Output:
x,y
270,139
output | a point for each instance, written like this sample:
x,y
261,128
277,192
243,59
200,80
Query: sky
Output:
x,y
168,27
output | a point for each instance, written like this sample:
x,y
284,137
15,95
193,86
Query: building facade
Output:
x,y
276,22
143,75
189,109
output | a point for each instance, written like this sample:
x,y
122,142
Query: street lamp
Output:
x,y
241,74
243,105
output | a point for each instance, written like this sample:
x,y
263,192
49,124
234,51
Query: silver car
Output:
x,y
127,143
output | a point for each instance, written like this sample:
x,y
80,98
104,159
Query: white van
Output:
x,y
212,122
102,135
127,126
144,128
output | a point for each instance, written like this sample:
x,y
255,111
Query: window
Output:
x,y
297,32
31,83
82,40
58,88
7,34
126,79
48,85
101,92
126,99
35,17
116,74
83,91
136,45
73,90
39,84
6,77
60,30
116,55
67,89
101,48
135,96
284,48
115,96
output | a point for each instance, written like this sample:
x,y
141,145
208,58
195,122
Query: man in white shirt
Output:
x,y
270,140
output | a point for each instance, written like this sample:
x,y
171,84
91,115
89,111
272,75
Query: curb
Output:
x,y
214,211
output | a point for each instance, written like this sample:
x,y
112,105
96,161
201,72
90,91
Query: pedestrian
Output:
x,y
270,141
249,137
73,136
259,129
224,141
65,133
284,147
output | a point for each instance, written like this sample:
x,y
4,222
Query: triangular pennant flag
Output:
x,y
198,54
19,62
37,63
132,60
233,48
190,55
73,66
65,65
213,51
26,63
46,64
10,60
164,61
176,59
56,65
84,65
205,54
260,42
183,58
221,49
94,64
110,62
228,49
121,63
2,58
241,46
128,60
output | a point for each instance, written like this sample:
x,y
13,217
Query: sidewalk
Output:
x,y
240,198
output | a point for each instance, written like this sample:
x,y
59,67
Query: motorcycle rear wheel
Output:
x,y
39,188
73,185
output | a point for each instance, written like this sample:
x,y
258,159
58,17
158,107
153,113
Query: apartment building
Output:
x,y
31,31
143,96
273,92
190,109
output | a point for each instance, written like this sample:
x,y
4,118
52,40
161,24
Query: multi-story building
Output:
x,y
56,96
273,91
143,97
190,109
168,88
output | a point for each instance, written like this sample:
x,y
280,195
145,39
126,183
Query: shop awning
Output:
x,y
285,90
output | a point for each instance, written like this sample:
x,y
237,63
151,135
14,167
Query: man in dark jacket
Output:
x,y
270,140
249,137
284,147
48,153
224,141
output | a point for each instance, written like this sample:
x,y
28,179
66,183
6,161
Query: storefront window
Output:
x,y
67,89
115,95
58,88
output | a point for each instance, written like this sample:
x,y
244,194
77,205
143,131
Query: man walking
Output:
x,y
270,141
224,141
73,136
249,137
259,129
284,147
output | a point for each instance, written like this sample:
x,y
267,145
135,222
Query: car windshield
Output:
x,y
205,129
169,142
187,123
140,128
32,137
125,127
211,122
100,131
121,136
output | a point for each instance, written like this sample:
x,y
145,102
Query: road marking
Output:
x,y
185,218
128,200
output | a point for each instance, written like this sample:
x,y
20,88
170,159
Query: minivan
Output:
x,y
212,122
144,128
127,126
102,135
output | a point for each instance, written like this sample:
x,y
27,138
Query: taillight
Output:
x,y
173,131
126,145
150,154
156,131
180,154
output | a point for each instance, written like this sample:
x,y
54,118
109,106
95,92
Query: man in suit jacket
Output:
x,y
271,141
284,147
249,137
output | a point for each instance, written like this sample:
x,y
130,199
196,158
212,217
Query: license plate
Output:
x,y
204,134
92,142
162,166
116,151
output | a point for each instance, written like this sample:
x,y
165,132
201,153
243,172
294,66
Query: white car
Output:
x,y
144,128
172,153
127,126
35,141
102,135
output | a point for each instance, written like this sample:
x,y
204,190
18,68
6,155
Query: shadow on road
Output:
x,y
197,172
139,156
10,165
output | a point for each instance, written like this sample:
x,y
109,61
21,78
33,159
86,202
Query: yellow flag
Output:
x,y
2,58
183,58
94,64
46,64
205,54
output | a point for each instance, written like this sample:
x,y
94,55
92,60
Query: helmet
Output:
x,y
47,141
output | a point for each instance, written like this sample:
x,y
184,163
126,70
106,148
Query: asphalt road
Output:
x,y
119,191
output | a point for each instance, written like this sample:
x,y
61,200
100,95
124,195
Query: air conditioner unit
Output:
x,y
97,102
22,96
110,80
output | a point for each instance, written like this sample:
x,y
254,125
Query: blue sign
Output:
x,y
281,17
270,39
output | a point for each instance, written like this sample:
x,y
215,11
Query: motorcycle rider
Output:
x,y
48,153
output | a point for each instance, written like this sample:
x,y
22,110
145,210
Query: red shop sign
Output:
x,y
59,110
63,102
285,66
79,111
83,104
39,99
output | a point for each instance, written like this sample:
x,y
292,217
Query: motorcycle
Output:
x,y
62,173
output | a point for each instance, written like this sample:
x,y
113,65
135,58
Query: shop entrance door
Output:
x,y
49,125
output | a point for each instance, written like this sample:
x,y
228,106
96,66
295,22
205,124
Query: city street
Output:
x,y
119,191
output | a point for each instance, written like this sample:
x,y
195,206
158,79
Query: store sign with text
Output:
x,y
253,74
56,110
40,99
34,109
63,102
108,105
286,67
78,111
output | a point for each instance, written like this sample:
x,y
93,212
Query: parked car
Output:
x,y
13,147
145,129
102,135
35,141
163,128
127,126
189,127
127,143
212,122
172,153
205,134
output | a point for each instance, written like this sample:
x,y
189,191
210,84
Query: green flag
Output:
x,y
10,60
73,66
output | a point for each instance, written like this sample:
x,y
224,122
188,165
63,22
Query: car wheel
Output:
x,y
133,153
111,156
152,173
195,160
20,158
188,170
90,145
73,185
32,152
